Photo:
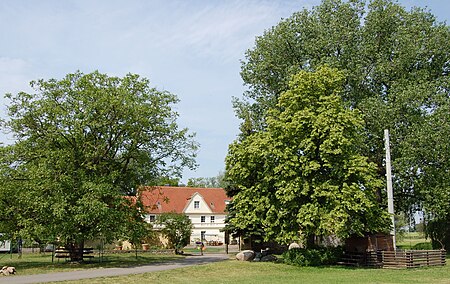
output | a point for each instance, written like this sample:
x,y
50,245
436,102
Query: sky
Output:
x,y
191,48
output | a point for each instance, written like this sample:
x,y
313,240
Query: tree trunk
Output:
x,y
75,251
311,241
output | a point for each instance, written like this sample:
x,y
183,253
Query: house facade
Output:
x,y
205,207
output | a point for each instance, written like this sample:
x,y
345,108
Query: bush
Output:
x,y
313,256
423,246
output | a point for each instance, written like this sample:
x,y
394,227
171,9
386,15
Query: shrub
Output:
x,y
312,256
423,246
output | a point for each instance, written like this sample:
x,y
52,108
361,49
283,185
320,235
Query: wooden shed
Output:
x,y
369,242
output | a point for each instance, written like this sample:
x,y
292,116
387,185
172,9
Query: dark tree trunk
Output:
x,y
75,251
311,241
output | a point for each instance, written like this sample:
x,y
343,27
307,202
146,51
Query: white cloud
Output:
x,y
222,29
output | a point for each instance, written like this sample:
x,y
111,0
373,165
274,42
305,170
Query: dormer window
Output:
x,y
196,204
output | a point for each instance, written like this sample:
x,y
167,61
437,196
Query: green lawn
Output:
x,y
412,239
33,263
209,249
231,271
256,272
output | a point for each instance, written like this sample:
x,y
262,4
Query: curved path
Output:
x,y
105,272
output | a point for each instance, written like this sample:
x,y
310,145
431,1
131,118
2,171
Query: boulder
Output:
x,y
257,257
245,255
7,270
269,258
11,270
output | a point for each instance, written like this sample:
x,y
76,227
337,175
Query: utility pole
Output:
x,y
390,194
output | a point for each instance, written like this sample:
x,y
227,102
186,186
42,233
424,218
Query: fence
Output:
x,y
412,258
396,259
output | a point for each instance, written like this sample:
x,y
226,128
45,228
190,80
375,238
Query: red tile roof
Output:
x,y
163,199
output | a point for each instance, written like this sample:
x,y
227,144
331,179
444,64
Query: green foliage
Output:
x,y
303,176
423,246
137,230
401,224
177,228
396,64
313,256
168,181
420,228
438,229
210,182
82,143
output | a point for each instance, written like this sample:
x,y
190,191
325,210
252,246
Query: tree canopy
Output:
x,y
177,228
208,182
303,176
82,144
396,64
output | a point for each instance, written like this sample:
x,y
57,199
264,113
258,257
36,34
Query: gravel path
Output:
x,y
105,272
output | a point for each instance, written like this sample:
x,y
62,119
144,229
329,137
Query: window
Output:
x,y
152,218
213,218
202,219
196,204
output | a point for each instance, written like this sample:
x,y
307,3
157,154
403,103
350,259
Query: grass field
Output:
x,y
412,239
257,272
232,271
42,263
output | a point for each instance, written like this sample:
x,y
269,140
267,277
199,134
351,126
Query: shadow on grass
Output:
x,y
35,263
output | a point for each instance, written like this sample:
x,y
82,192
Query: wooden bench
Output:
x,y
65,253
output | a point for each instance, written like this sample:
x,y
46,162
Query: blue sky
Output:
x,y
190,48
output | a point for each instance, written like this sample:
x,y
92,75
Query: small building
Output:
x,y
206,207
369,242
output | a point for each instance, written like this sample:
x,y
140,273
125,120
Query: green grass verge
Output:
x,y
257,272
209,249
411,241
42,263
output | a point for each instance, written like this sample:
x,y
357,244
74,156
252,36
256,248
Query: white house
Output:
x,y
5,245
204,206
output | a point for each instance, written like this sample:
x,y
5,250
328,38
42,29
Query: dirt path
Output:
x,y
105,272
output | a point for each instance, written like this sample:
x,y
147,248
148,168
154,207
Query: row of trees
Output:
x,y
209,182
81,144
323,84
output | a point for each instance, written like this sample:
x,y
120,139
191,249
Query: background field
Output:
x,y
414,240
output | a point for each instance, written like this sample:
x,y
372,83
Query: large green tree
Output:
x,y
81,144
303,177
396,64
